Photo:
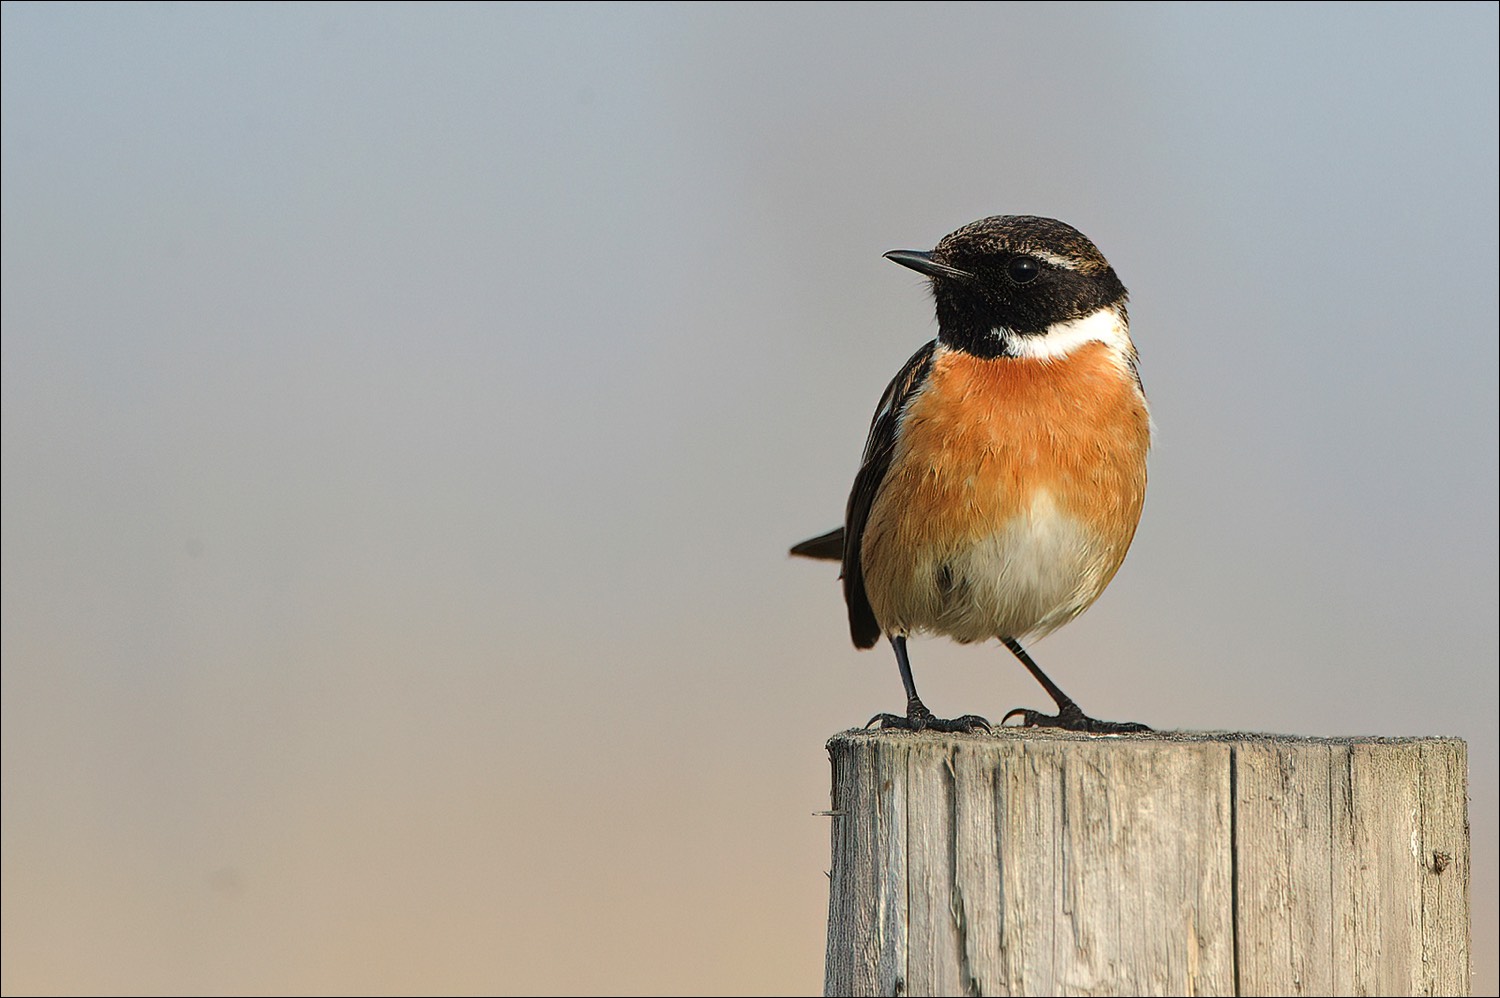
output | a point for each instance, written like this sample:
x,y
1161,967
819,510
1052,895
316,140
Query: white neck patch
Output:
x,y
1104,326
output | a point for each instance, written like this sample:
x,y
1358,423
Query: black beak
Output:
x,y
923,263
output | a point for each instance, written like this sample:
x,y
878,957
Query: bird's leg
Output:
x,y
1068,717
918,717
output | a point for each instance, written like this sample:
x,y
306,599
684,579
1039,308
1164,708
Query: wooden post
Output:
x,y
1032,862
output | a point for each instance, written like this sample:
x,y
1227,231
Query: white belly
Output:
x,y
1032,575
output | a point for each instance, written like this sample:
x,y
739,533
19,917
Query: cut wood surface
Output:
x,y
1034,862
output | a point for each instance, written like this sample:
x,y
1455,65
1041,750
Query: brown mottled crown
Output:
x,y
1021,234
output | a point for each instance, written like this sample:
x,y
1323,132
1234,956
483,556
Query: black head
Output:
x,y
1013,276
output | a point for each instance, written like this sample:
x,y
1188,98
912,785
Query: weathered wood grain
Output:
x,y
1026,862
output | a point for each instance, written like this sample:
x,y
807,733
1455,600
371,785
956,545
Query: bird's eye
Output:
x,y
1023,269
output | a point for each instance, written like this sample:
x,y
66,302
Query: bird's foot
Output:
x,y
919,718
1070,718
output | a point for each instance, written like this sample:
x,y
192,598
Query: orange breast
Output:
x,y
978,446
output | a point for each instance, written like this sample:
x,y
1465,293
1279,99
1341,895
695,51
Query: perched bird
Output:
x,y
1005,469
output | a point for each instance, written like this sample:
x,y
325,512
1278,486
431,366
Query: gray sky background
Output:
x,y
407,411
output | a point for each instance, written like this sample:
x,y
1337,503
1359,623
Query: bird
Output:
x,y
1005,469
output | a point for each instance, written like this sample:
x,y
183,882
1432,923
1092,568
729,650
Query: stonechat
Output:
x,y
1005,469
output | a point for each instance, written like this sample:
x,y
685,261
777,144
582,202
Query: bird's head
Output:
x,y
1020,285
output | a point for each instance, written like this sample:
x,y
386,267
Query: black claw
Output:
x,y
918,717
1072,720
923,720
1068,717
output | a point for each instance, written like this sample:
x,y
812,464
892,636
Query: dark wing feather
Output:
x,y
827,547
879,448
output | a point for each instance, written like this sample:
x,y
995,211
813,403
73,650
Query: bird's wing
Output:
x,y
879,448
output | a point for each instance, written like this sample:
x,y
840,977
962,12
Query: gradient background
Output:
x,y
406,414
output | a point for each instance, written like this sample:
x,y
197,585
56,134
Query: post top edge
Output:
x,y
1043,735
